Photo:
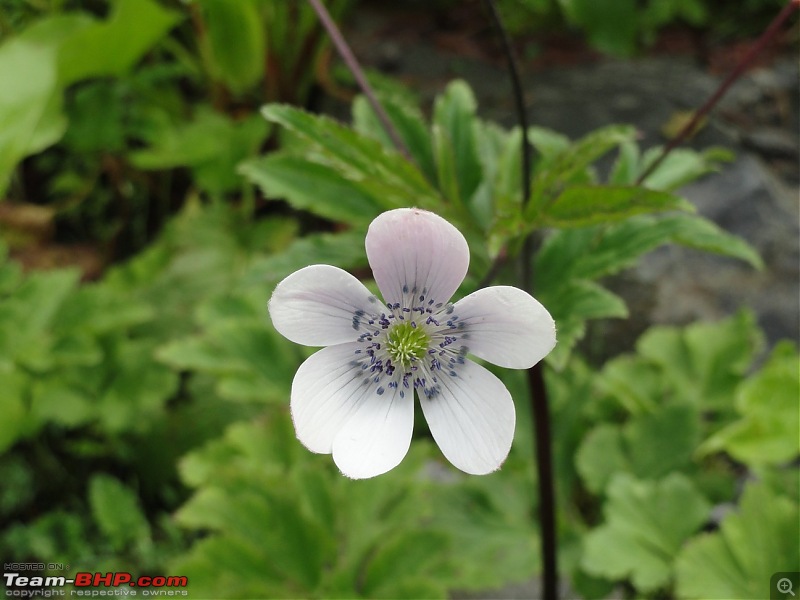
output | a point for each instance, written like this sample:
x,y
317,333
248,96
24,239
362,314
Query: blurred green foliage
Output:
x,y
625,27
145,423
113,112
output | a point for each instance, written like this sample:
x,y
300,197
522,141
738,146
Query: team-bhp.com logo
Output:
x,y
92,584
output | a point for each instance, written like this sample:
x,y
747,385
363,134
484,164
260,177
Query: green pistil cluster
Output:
x,y
407,344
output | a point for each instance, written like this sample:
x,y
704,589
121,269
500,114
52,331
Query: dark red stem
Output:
x,y
712,101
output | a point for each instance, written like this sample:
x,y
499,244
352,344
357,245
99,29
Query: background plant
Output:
x,y
145,424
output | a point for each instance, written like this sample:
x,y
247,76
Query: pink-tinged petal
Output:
x,y
506,326
377,436
472,418
327,390
321,305
416,254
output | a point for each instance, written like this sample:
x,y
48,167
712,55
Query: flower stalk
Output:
x,y
355,68
690,127
540,405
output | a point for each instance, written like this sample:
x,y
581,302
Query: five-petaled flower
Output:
x,y
355,397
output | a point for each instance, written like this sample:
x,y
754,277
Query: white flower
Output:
x,y
355,398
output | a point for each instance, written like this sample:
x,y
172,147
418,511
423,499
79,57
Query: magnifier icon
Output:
x,y
785,586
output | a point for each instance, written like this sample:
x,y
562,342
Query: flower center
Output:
x,y
407,343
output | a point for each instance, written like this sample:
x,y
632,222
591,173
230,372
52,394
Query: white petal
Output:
x,y
321,305
471,418
326,391
506,326
377,436
416,253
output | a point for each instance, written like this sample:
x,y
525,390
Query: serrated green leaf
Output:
x,y
706,361
409,555
695,232
294,546
250,361
593,252
682,166
344,250
454,120
646,523
635,383
137,389
571,303
579,206
737,561
230,567
407,120
553,175
211,145
649,446
548,143
768,430
384,173
117,512
317,188
446,169
600,455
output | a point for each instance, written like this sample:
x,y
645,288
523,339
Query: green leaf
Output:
x,y
446,169
737,561
117,512
235,42
293,546
592,252
317,188
611,25
15,422
573,302
212,145
409,555
649,446
383,173
682,166
137,388
407,120
556,171
454,119
344,250
646,523
600,455
548,143
768,431
704,362
579,206
54,400
28,316
28,80
251,362
112,47
695,232
633,382
230,567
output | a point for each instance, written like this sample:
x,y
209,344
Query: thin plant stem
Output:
x,y
355,68
712,101
519,98
540,407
